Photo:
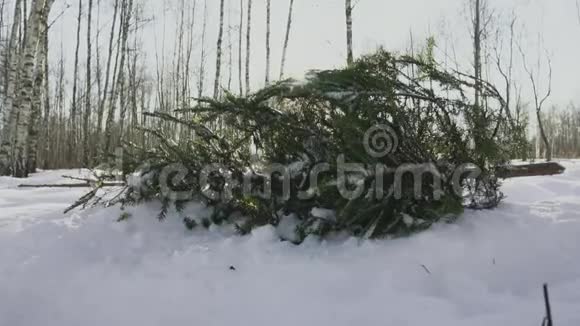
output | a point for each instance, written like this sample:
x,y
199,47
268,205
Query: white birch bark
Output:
x,y
248,45
9,116
349,55
38,16
41,58
218,64
286,39
268,14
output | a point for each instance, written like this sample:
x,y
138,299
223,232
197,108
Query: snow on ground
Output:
x,y
86,269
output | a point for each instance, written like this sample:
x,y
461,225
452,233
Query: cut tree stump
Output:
x,y
530,170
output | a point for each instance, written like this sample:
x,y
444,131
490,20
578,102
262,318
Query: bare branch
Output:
x,y
578,10
549,91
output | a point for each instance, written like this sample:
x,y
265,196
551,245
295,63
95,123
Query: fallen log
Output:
x,y
530,170
73,185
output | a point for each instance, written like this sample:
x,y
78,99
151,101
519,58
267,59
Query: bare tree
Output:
x,y
349,54
190,42
36,104
286,39
74,108
3,50
87,115
477,50
481,18
9,116
506,71
38,16
2,6
539,100
578,10
230,49
127,8
218,64
248,45
241,26
268,3
46,116
101,109
202,59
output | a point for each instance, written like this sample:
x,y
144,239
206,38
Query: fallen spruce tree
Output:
x,y
387,146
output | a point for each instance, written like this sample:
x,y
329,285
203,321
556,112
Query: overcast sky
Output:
x,y
318,33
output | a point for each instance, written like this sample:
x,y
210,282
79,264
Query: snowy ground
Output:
x,y
85,269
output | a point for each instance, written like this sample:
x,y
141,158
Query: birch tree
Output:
x,y
202,59
74,107
127,7
218,64
38,16
240,36
286,39
87,115
578,10
268,12
9,116
348,11
101,108
36,110
481,18
477,31
248,45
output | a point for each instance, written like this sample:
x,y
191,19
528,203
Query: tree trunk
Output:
x,y
477,51
101,111
46,116
240,47
248,45
38,16
268,3
286,39
349,55
202,59
41,58
126,17
10,114
218,64
548,149
530,170
87,156
74,109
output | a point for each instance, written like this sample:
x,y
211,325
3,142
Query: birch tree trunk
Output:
x,y
349,55
38,16
122,79
46,116
74,109
41,58
202,59
286,39
218,64
126,8
87,116
230,49
268,12
248,45
9,117
101,110
477,50
241,26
